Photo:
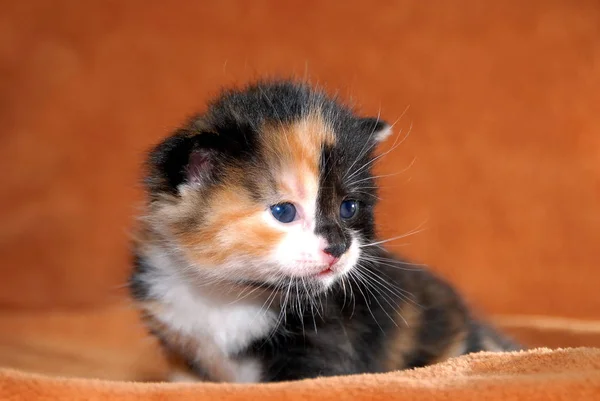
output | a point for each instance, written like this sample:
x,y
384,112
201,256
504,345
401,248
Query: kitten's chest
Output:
x,y
219,330
231,327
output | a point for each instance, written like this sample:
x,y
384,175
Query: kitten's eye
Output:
x,y
348,209
284,212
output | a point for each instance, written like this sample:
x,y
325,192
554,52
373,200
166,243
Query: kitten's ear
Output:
x,y
200,165
184,157
377,129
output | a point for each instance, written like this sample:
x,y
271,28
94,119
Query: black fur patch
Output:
x,y
137,287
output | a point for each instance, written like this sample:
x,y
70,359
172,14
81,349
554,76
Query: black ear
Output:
x,y
196,153
187,156
377,129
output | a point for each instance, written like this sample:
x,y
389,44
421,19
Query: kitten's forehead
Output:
x,y
298,144
294,153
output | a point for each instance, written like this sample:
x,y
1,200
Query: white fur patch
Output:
x,y
248,371
223,325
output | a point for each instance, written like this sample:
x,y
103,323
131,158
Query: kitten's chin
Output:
x,y
326,279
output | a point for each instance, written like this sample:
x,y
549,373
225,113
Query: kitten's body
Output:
x,y
235,293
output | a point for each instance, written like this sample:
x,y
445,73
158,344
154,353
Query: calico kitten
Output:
x,y
257,258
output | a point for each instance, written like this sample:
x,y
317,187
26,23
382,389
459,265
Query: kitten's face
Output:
x,y
294,201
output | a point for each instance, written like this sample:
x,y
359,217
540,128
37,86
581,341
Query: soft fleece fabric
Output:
x,y
540,374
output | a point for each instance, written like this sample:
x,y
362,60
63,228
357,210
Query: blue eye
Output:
x,y
348,209
284,212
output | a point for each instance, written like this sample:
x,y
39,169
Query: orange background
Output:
x,y
504,105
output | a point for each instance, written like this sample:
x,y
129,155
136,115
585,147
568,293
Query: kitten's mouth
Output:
x,y
326,272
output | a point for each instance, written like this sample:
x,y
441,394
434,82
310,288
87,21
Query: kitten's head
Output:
x,y
273,183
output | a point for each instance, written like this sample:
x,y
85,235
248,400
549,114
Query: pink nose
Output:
x,y
329,258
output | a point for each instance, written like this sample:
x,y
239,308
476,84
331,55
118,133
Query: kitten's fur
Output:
x,y
235,295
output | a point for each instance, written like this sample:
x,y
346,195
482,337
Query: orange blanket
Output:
x,y
540,374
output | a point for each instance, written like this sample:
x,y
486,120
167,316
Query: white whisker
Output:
x,y
383,175
392,239
394,146
367,285
395,263
362,151
367,300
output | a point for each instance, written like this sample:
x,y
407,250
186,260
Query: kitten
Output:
x,y
257,258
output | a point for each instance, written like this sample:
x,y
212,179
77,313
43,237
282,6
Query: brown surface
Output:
x,y
504,101
542,374
107,343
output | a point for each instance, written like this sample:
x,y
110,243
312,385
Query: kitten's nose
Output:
x,y
333,252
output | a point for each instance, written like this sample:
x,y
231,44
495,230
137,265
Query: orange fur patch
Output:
x,y
408,320
233,226
456,347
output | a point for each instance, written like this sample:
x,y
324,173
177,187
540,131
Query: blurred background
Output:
x,y
501,169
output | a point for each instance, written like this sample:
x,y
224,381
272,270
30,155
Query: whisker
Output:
x,y
287,294
344,289
394,146
415,266
384,175
271,297
392,239
385,297
310,300
367,193
300,310
247,294
362,151
388,285
367,301
351,297
404,295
